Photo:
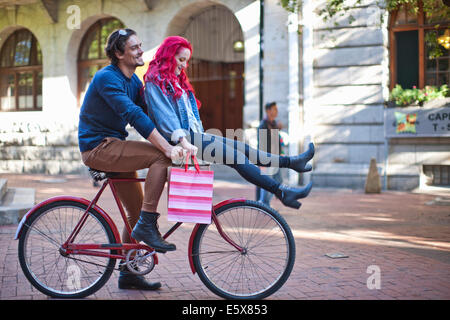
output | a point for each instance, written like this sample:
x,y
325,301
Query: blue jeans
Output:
x,y
236,154
265,196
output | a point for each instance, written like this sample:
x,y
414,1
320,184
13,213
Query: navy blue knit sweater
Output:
x,y
111,102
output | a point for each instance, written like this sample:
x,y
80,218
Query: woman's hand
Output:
x,y
188,147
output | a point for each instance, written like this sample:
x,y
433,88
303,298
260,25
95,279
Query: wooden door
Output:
x,y
219,87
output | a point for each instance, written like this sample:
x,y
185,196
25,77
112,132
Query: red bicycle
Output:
x,y
68,247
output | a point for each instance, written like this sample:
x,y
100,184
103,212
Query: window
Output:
x,y
91,56
412,59
21,73
438,175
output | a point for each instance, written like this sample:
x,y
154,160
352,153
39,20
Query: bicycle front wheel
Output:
x,y
266,262
50,270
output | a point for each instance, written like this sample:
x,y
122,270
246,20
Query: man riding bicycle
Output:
x,y
112,101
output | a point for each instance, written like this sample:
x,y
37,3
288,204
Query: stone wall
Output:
x,y
350,86
344,116
46,141
407,157
39,145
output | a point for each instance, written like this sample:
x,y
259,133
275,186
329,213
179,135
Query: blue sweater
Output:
x,y
111,102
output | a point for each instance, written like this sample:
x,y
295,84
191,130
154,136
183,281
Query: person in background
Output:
x,y
269,140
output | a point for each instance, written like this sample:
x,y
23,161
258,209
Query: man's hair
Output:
x,y
269,105
116,43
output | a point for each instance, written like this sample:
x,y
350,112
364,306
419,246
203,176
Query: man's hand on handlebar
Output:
x,y
176,153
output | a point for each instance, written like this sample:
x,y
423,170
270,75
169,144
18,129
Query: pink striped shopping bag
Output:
x,y
190,194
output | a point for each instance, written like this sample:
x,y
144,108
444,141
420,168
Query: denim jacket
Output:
x,y
169,115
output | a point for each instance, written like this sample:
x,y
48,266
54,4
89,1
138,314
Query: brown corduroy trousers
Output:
x,y
125,157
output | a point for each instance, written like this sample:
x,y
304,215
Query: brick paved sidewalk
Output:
x,y
395,233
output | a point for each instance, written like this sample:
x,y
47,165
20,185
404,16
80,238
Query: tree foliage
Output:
x,y
435,8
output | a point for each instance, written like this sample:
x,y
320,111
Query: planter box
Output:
x,y
436,103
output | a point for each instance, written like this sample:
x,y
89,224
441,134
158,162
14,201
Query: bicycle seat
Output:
x,y
98,175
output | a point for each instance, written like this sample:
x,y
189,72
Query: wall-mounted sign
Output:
x,y
417,122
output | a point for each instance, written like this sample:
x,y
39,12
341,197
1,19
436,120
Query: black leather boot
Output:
x,y
288,195
300,163
146,230
128,280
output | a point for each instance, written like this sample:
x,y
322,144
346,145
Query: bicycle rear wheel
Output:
x,y
262,268
51,271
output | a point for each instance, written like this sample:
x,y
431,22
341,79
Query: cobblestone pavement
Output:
x,y
405,236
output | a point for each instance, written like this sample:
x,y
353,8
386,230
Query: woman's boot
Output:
x,y
288,195
146,230
300,163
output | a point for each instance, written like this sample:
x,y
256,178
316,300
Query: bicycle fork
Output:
x,y
194,232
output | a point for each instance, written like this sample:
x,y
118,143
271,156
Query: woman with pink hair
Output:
x,y
174,109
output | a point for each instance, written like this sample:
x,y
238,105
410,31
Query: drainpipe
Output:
x,y
293,94
261,58
308,72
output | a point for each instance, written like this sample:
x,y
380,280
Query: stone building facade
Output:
x,y
330,80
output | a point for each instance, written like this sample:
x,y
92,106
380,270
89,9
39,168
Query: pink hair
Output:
x,y
161,69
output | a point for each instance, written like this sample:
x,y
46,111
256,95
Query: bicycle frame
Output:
x,y
87,249
70,247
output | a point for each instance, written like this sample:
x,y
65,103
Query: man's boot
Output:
x,y
146,230
129,280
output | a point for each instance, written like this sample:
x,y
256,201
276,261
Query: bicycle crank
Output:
x,y
139,261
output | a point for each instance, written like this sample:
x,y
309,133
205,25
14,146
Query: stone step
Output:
x,y
15,203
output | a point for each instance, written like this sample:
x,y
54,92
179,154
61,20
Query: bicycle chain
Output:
x,y
96,264
124,265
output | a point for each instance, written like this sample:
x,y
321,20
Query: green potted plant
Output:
x,y
400,97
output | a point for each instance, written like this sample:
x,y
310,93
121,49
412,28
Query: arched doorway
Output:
x,y
216,69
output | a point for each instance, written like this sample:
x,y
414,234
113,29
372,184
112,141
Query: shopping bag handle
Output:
x,y
194,160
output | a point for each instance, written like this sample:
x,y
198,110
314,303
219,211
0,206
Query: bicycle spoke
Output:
x,y
263,265
46,267
57,244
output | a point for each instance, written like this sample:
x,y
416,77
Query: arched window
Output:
x,y
91,56
21,73
413,59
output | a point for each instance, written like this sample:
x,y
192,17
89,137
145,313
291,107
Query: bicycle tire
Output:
x,y
257,273
46,268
